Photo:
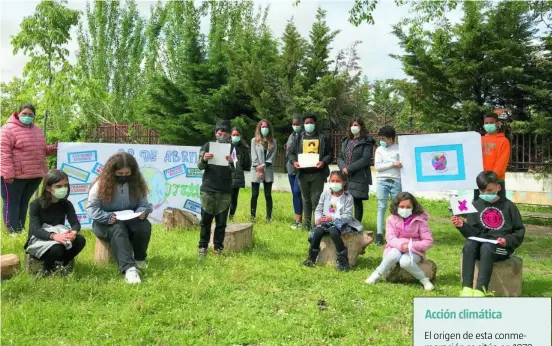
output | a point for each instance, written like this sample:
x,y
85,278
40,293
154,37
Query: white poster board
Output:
x,y
443,161
170,171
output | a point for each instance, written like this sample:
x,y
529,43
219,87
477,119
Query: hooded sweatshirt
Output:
x,y
500,219
24,150
496,153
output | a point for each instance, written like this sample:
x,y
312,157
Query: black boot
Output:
x,y
343,261
311,260
379,239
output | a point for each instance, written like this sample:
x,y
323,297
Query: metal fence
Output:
x,y
530,153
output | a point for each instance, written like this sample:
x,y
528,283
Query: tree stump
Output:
x,y
507,277
178,219
33,264
356,243
9,265
398,274
237,237
102,251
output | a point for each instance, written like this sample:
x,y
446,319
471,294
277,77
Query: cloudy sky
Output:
x,y
377,40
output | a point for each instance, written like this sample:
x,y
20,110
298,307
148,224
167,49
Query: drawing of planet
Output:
x,y
156,184
439,162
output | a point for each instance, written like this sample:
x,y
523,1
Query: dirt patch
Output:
x,y
538,231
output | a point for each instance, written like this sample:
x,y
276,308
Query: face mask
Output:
x,y
296,128
336,187
404,213
122,179
309,128
222,139
490,128
25,119
355,129
489,197
61,192
265,131
236,139
383,144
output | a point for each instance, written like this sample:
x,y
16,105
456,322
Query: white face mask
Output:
x,y
404,213
355,129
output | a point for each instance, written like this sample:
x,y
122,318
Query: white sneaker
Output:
x,y
132,276
428,286
373,278
141,264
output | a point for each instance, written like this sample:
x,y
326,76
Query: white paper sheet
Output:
x,y
125,215
308,160
461,206
219,151
483,240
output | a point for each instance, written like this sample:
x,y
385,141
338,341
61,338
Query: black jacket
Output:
x,y
325,151
500,219
359,173
243,156
215,178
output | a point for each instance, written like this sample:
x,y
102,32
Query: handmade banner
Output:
x,y
170,171
444,161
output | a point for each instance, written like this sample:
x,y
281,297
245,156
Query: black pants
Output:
x,y
255,197
15,198
501,193
335,234
234,200
359,209
220,228
311,186
129,240
487,254
58,254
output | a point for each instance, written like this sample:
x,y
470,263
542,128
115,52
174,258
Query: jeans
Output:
x,y
393,256
501,193
311,186
255,197
334,233
220,228
129,240
385,189
234,200
359,209
487,254
58,253
15,202
296,193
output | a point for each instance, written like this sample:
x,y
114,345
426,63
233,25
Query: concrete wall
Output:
x,y
522,188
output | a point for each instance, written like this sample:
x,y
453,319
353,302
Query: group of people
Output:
x,y
336,210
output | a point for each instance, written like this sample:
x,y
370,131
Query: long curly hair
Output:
x,y
268,141
417,208
108,182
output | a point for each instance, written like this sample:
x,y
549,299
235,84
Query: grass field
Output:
x,y
262,296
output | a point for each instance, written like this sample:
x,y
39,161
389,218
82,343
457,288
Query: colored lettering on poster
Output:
x,y
97,168
194,173
76,173
83,156
174,171
183,190
183,156
192,206
148,155
79,189
84,219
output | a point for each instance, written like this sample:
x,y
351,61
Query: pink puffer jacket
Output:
x,y
418,230
24,150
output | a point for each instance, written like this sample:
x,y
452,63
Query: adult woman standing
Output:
x,y
242,161
24,152
296,124
354,161
263,152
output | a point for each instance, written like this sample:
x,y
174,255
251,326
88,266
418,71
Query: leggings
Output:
x,y
234,200
334,233
359,209
268,198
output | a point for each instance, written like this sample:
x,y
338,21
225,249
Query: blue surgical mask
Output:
x,y
236,139
26,120
383,144
490,128
296,128
265,131
489,197
309,128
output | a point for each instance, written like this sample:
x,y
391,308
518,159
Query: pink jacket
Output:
x,y
23,150
418,230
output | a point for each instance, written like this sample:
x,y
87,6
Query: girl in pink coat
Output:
x,y
408,238
24,152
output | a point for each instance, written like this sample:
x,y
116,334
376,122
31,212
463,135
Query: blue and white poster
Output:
x,y
443,161
170,171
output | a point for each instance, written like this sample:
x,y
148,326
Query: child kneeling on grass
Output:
x,y
333,216
408,238
49,239
497,219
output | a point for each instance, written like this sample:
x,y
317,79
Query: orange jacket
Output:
x,y
496,153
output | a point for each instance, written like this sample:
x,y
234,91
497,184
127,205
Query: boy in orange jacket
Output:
x,y
496,151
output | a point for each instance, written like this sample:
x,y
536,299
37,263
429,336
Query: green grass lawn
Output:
x,y
261,296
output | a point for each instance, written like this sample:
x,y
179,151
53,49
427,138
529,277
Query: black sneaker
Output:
x,y
268,220
379,239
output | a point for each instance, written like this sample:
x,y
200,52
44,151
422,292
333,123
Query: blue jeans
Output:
x,y
385,189
296,192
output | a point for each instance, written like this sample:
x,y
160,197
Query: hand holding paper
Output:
x,y
219,153
308,160
125,215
